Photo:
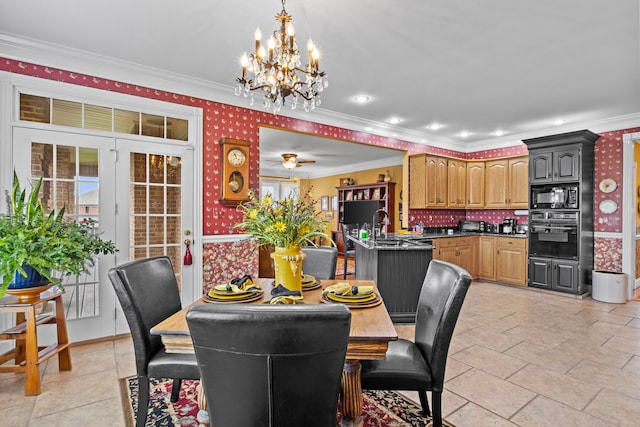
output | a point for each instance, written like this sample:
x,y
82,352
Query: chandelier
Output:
x,y
278,73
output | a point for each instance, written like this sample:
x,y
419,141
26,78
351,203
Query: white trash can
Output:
x,y
609,286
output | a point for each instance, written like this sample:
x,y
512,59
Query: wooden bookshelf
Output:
x,y
384,192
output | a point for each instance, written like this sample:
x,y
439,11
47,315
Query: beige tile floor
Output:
x,y
519,357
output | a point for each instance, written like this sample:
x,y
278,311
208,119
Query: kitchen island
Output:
x,y
398,264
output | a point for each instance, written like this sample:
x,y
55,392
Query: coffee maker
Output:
x,y
508,226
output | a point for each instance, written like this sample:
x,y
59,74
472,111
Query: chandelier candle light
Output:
x,y
278,74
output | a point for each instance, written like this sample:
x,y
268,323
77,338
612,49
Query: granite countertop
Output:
x,y
410,241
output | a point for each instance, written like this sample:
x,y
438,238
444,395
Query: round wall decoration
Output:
x,y
608,206
608,185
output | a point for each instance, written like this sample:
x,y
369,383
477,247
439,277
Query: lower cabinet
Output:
x,y
462,251
503,259
511,260
555,274
487,261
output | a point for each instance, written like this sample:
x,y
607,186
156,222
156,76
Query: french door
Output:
x,y
137,194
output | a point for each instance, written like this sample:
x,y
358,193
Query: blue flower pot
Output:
x,y
33,279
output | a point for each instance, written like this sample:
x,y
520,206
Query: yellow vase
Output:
x,y
287,264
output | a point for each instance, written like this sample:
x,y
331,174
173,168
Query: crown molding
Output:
x,y
49,54
596,126
80,61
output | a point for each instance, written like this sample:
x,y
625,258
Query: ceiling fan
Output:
x,y
290,161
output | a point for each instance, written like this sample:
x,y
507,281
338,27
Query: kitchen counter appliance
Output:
x,y
508,226
472,226
554,197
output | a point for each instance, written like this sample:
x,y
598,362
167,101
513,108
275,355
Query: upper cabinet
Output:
x,y
427,181
507,183
437,173
456,183
437,182
475,184
566,157
555,166
418,181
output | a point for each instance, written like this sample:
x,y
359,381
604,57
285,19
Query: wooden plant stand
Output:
x,y
28,356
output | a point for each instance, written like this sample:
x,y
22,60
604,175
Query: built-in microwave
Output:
x,y
554,197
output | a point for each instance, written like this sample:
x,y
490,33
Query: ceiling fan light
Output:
x,y
289,164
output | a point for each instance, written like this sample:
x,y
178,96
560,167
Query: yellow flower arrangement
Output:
x,y
283,223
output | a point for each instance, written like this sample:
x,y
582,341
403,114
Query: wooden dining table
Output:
x,y
370,334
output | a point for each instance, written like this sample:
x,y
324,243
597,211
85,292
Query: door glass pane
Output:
x,y
156,196
71,180
174,170
155,207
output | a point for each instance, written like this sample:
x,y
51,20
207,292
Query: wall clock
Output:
x,y
235,171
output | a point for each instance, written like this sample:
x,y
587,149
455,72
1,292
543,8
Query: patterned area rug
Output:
x,y
351,267
380,409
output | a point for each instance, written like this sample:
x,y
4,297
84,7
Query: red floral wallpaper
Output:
x,y
607,255
227,260
221,120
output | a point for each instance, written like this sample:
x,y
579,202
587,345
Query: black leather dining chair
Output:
x,y
148,293
320,262
349,250
420,365
270,365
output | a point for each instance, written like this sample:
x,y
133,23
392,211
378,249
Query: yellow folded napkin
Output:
x,y
344,288
245,285
284,300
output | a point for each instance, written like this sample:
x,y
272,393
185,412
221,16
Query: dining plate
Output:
x,y
252,296
313,285
328,299
608,206
221,290
308,279
351,298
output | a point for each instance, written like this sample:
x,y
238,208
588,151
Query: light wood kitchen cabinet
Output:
x,y
427,181
511,260
518,194
487,258
462,251
418,181
475,184
507,183
456,183
503,259
437,172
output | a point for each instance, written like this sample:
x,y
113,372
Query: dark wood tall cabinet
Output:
x,y
559,161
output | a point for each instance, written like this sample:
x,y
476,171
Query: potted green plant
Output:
x,y
34,244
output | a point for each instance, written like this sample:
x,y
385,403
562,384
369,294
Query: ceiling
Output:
x,y
475,67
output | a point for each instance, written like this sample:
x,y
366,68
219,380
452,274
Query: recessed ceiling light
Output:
x,y
361,99
435,126
394,120
499,132
464,134
558,122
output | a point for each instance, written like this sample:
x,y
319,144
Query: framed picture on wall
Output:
x,y
324,203
334,203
